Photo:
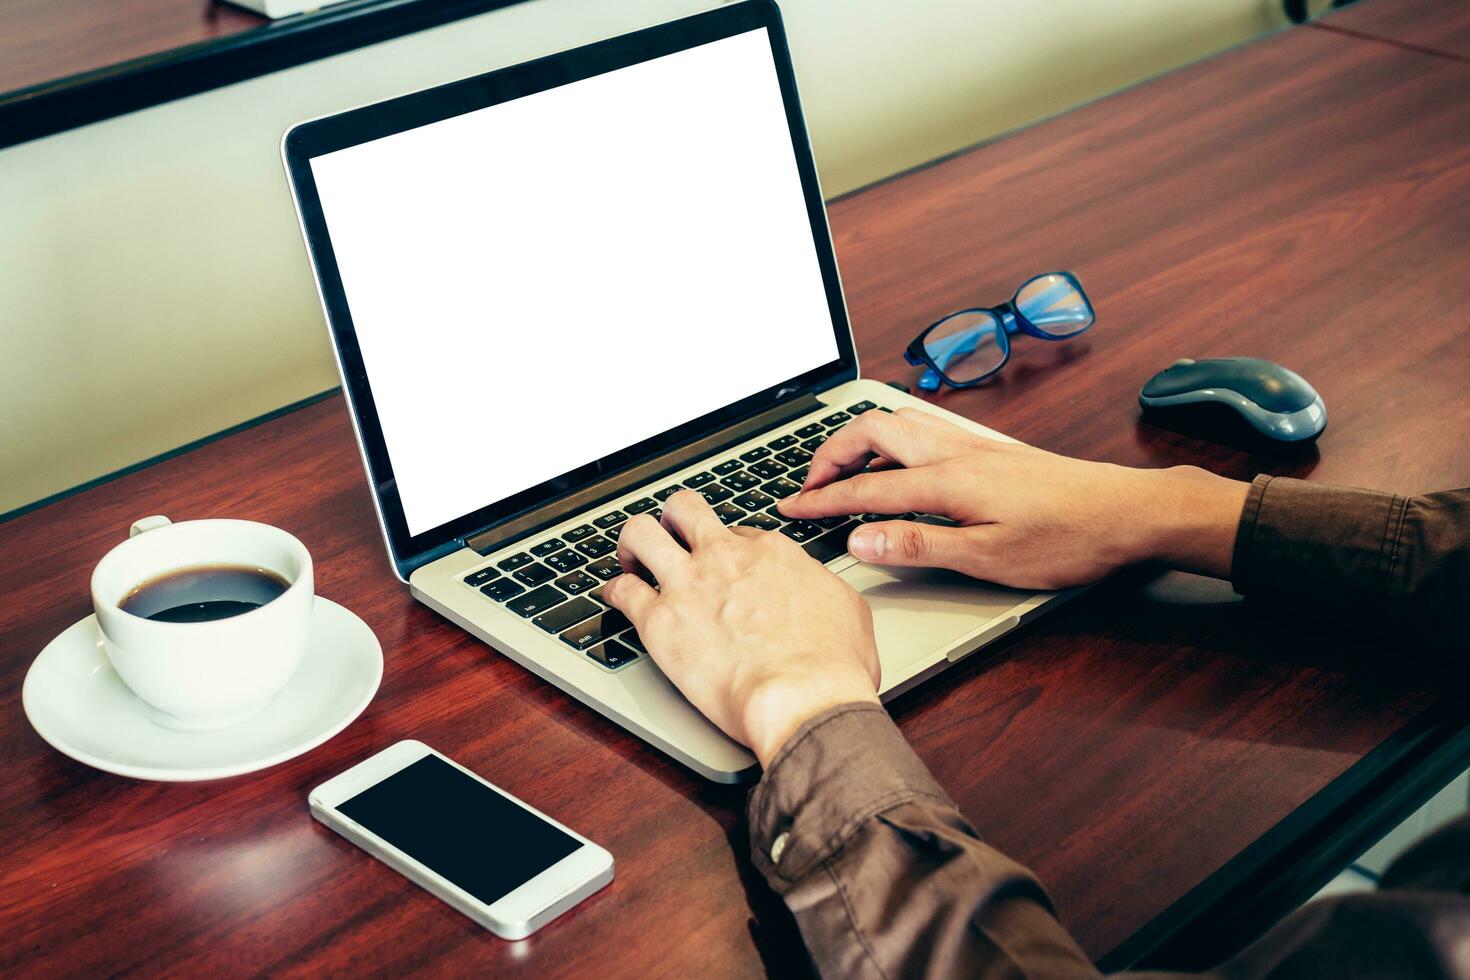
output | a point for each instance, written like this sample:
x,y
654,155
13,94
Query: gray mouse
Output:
x,y
1276,402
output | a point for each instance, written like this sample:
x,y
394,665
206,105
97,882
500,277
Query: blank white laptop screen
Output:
x,y
541,283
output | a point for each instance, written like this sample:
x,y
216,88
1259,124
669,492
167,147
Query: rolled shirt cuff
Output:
x,y
1318,545
836,772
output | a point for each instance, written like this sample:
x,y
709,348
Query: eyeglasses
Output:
x,y
965,348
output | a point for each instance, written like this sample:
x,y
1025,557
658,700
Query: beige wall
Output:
x,y
153,287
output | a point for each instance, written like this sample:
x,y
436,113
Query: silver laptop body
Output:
x,y
562,291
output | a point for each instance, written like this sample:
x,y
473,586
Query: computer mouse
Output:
x,y
1274,401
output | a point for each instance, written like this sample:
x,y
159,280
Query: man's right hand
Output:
x,y
1024,517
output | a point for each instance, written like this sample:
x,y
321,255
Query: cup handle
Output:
x,y
148,524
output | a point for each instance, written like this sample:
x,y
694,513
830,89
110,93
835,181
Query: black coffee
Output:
x,y
202,593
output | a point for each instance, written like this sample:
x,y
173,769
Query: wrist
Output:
x,y
1192,519
777,706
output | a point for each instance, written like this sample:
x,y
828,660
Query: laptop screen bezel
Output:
x,y
314,138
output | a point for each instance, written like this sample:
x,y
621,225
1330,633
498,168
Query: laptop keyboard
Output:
x,y
556,582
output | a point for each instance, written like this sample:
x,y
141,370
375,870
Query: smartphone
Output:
x,y
497,860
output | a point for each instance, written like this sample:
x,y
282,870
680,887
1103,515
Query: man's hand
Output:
x,y
754,632
1026,518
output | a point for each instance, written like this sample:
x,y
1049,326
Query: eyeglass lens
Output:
x,y
967,346
1054,306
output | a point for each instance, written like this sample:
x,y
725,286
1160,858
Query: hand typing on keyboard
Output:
x,y
755,632
1025,517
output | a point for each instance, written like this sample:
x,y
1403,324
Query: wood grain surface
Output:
x,y
43,40
1305,198
1436,27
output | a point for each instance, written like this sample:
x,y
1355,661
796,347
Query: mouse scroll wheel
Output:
x,y
1182,362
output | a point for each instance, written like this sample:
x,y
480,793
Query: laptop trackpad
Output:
x,y
919,612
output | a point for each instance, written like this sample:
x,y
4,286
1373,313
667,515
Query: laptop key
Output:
x,y
513,562
579,532
632,639
759,452
835,419
577,583
776,515
860,408
830,545
714,494
567,614
767,469
666,492
596,547
794,457
814,443
535,574
782,442
640,505
741,481
607,568
764,522
798,475
603,626
481,576
829,522
698,480
885,408
611,520
801,531
565,561
547,547
807,431
728,513
536,601
614,532
824,548
755,500
727,467
780,488
613,654
503,589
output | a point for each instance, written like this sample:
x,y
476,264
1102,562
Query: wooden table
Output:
x,y
67,63
1178,767
1439,28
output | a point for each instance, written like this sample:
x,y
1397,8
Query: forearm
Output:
x,y
883,874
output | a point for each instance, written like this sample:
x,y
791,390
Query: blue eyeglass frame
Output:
x,y
1011,320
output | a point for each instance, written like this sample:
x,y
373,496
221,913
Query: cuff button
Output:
x,y
778,847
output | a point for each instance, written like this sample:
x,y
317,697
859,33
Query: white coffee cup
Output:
x,y
204,675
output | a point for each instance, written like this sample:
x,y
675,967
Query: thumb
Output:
x,y
914,545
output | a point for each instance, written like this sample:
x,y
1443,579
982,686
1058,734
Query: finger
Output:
x,y
688,515
885,492
632,596
645,545
904,437
911,544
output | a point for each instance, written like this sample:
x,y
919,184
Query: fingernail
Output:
x,y
867,543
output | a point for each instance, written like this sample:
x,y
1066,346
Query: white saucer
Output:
x,y
78,704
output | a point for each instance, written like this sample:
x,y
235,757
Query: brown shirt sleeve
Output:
x,y
1363,556
883,874
887,879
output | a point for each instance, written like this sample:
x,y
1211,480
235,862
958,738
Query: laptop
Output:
x,y
563,291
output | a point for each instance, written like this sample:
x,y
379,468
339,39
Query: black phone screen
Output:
x,y
460,828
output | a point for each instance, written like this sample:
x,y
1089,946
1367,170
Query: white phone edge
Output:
x,y
517,915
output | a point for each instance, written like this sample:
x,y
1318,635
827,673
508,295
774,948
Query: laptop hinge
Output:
x,y
605,489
